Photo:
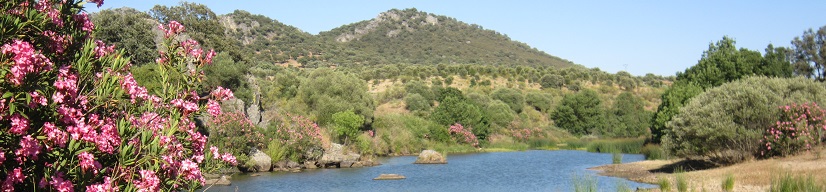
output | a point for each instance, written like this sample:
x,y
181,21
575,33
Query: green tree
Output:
x,y
552,81
580,113
346,125
673,99
326,92
201,24
457,110
499,114
416,102
128,29
227,73
628,117
810,54
512,97
539,101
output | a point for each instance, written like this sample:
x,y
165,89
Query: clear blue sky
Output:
x,y
647,36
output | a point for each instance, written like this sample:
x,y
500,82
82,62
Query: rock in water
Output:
x,y
389,177
430,157
261,160
336,155
223,180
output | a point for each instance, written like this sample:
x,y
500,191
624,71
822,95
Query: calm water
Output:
x,y
504,171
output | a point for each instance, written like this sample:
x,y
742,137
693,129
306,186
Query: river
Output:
x,y
537,170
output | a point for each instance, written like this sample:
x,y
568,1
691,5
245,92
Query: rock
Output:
x,y
293,165
261,161
337,154
430,157
347,164
219,181
357,164
255,175
310,165
389,177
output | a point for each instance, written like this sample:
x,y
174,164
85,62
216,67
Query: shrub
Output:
x,y
727,122
632,145
454,110
728,183
463,135
326,92
800,127
664,183
682,184
585,183
416,102
74,119
654,152
539,101
580,114
552,81
616,157
499,114
235,133
346,124
297,137
512,97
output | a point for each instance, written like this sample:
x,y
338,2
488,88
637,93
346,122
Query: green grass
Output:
x,y
654,152
664,183
584,183
682,184
789,183
623,187
629,145
616,157
728,183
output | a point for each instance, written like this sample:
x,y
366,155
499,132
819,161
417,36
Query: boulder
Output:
x,y
310,165
430,157
347,164
293,165
223,180
357,164
389,177
337,154
261,161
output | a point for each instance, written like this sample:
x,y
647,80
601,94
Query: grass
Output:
x,y
628,145
623,187
616,157
682,184
728,183
788,183
584,183
654,152
664,183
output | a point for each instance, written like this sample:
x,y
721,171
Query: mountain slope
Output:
x,y
412,36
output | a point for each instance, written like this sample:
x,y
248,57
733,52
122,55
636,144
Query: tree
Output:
x,y
628,117
810,59
128,29
580,113
512,97
202,25
499,114
346,124
457,110
416,102
673,99
326,92
552,81
539,101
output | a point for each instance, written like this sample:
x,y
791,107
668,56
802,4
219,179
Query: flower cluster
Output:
x,y
233,131
525,133
800,128
75,119
463,134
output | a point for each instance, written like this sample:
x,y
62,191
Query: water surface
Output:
x,y
500,171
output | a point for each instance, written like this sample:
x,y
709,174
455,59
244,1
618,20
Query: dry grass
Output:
x,y
392,107
754,175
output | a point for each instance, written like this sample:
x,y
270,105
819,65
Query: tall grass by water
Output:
x,y
625,145
654,152
584,183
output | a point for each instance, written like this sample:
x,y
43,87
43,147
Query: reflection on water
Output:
x,y
503,171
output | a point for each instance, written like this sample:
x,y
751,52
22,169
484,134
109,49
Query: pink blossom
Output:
x,y
83,18
19,124
149,181
3,156
54,135
99,2
25,59
229,158
174,29
37,99
29,148
190,170
208,59
212,149
213,108
132,88
106,186
51,12
61,184
58,43
222,94
102,50
16,176
87,161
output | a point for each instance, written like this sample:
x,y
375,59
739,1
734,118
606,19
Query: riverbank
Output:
x,y
755,175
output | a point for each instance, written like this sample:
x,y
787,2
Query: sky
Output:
x,y
639,36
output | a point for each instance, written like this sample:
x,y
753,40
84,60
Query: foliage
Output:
x,y
128,29
654,152
664,183
809,58
580,113
463,135
552,81
454,110
616,157
585,183
726,123
326,92
627,118
74,118
224,72
799,128
235,133
728,183
499,114
346,124
789,183
673,100
682,184
293,136
203,25
416,102
629,145
539,101
512,97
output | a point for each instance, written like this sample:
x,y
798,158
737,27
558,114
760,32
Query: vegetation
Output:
x,y
580,114
788,182
728,183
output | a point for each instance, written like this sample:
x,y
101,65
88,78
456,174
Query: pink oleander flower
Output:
x,y
26,61
99,2
29,148
3,156
174,29
37,99
55,135
61,184
132,88
106,186
208,59
87,161
213,108
222,94
83,18
51,12
212,149
16,176
102,50
19,124
190,170
227,157
149,181
58,43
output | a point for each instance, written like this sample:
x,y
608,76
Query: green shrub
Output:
x,y
416,102
664,183
539,101
512,97
682,184
277,151
326,92
616,157
791,183
580,114
499,114
346,124
631,145
727,122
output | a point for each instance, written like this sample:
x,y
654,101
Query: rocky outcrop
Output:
x,y
261,162
430,157
336,154
223,180
389,177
